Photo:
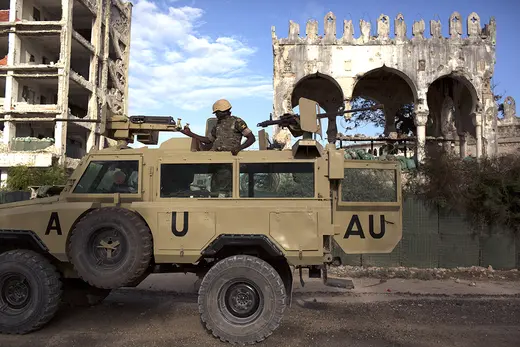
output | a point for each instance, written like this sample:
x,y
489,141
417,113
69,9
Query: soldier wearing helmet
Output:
x,y
228,132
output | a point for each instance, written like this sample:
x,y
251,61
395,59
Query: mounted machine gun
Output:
x,y
307,123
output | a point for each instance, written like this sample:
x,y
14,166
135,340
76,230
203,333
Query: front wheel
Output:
x,y
242,299
30,291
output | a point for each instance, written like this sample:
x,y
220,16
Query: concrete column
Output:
x,y
420,121
462,145
60,129
477,122
13,58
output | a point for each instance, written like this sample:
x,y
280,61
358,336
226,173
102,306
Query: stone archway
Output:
x,y
326,91
390,87
452,103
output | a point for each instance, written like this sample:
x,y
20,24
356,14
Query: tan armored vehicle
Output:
x,y
242,223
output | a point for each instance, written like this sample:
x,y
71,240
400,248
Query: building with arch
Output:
x,y
447,79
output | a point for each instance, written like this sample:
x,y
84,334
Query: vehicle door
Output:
x,y
368,207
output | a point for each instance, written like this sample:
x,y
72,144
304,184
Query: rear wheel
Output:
x,y
242,299
30,291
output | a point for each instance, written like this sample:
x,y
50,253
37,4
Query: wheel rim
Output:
x,y
106,247
241,301
15,291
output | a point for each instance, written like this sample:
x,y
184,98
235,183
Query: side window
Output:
x,y
108,177
196,180
277,180
369,185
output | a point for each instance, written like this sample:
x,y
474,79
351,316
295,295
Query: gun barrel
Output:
x,y
361,109
151,120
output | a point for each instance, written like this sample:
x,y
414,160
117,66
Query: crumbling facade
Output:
x,y
447,79
62,59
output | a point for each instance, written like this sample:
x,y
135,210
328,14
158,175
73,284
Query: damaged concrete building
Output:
x,y
447,79
60,59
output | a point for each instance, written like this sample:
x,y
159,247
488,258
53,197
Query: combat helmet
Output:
x,y
221,105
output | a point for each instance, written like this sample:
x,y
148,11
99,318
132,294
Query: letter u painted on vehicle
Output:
x,y
355,227
185,225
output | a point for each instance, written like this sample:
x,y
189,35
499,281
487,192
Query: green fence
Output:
x,y
433,239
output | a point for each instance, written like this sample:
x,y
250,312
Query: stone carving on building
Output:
x,y
364,27
455,25
473,27
435,29
294,31
418,29
348,31
330,28
119,33
115,100
400,27
383,27
386,68
120,23
509,108
311,30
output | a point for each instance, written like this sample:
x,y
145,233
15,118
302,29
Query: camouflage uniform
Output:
x,y
226,136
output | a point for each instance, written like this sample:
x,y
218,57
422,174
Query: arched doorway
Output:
x,y
326,91
392,88
452,102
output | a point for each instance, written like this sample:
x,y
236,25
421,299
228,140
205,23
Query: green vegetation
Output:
x,y
21,177
485,192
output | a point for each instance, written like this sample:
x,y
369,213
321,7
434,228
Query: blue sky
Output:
x,y
185,54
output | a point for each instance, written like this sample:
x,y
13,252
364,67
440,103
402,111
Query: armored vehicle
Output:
x,y
244,224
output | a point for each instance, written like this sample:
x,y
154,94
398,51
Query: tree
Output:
x,y
21,177
403,119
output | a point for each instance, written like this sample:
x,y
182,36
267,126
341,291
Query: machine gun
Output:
x,y
306,123
145,128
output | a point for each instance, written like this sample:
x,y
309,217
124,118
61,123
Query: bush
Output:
x,y
21,177
486,192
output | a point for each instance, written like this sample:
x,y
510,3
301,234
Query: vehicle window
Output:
x,y
369,185
196,180
277,180
108,177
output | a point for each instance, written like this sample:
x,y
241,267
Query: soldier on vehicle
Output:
x,y
228,132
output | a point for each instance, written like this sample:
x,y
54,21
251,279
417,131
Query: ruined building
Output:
x,y
59,59
447,79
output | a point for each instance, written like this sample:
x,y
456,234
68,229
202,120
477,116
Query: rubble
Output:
x,y
456,274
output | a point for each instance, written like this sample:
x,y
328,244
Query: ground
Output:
x,y
162,312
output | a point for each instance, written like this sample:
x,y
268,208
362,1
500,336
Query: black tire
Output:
x,y
114,227
78,293
263,291
30,291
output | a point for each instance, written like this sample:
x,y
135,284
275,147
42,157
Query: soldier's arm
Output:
x,y
187,131
244,129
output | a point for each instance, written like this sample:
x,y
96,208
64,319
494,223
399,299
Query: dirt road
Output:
x,y
140,318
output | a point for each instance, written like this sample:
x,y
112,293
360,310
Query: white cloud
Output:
x,y
172,65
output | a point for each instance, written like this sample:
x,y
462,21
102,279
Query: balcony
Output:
x,y
32,159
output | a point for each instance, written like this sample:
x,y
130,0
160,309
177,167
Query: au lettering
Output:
x,y
355,228
185,225
54,224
